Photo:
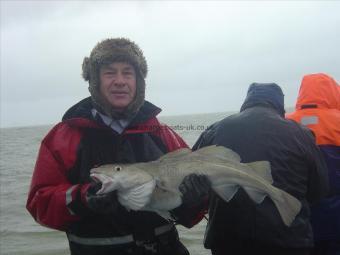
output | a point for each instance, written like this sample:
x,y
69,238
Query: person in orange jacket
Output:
x,y
318,108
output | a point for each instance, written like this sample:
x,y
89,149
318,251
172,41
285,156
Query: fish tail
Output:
x,y
288,207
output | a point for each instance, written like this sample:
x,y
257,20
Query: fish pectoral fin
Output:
x,y
226,191
137,197
256,195
262,168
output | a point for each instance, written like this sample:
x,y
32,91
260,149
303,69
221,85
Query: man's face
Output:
x,y
118,84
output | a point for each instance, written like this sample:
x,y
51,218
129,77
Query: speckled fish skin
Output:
x,y
221,165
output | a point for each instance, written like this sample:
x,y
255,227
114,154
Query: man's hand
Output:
x,y
194,189
195,193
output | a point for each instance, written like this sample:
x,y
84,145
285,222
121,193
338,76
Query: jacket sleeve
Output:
x,y
206,138
171,139
51,192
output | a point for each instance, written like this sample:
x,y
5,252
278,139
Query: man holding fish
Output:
x,y
264,173
114,125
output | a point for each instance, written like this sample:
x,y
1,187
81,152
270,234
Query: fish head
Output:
x,y
124,176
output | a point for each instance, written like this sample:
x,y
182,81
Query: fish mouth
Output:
x,y
94,171
94,177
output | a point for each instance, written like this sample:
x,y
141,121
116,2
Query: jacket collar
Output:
x,y
80,115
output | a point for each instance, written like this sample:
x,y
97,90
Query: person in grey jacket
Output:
x,y
260,132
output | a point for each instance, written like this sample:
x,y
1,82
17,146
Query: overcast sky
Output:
x,y
202,55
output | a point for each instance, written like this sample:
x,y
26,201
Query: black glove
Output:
x,y
103,203
195,192
194,189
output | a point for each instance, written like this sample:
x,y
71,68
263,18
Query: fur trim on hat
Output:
x,y
105,53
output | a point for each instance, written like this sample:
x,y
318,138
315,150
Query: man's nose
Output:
x,y
120,80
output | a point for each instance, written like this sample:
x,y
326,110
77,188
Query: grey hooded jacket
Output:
x,y
260,132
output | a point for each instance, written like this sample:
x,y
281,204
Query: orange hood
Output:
x,y
319,89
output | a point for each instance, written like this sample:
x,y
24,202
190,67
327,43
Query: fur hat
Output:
x,y
105,53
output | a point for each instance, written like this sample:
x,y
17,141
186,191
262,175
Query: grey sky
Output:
x,y
202,55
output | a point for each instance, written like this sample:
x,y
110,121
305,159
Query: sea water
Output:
x,y
20,234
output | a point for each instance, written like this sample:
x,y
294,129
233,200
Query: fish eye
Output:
x,y
117,168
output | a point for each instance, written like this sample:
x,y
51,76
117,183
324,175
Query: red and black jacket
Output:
x,y
76,145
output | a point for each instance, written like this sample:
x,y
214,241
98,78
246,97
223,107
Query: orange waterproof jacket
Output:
x,y
318,108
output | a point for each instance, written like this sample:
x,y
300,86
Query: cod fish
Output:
x,y
154,186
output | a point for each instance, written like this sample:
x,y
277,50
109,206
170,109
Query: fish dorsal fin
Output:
x,y
262,168
220,153
175,154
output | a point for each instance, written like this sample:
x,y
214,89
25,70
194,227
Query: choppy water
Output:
x,y
19,234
